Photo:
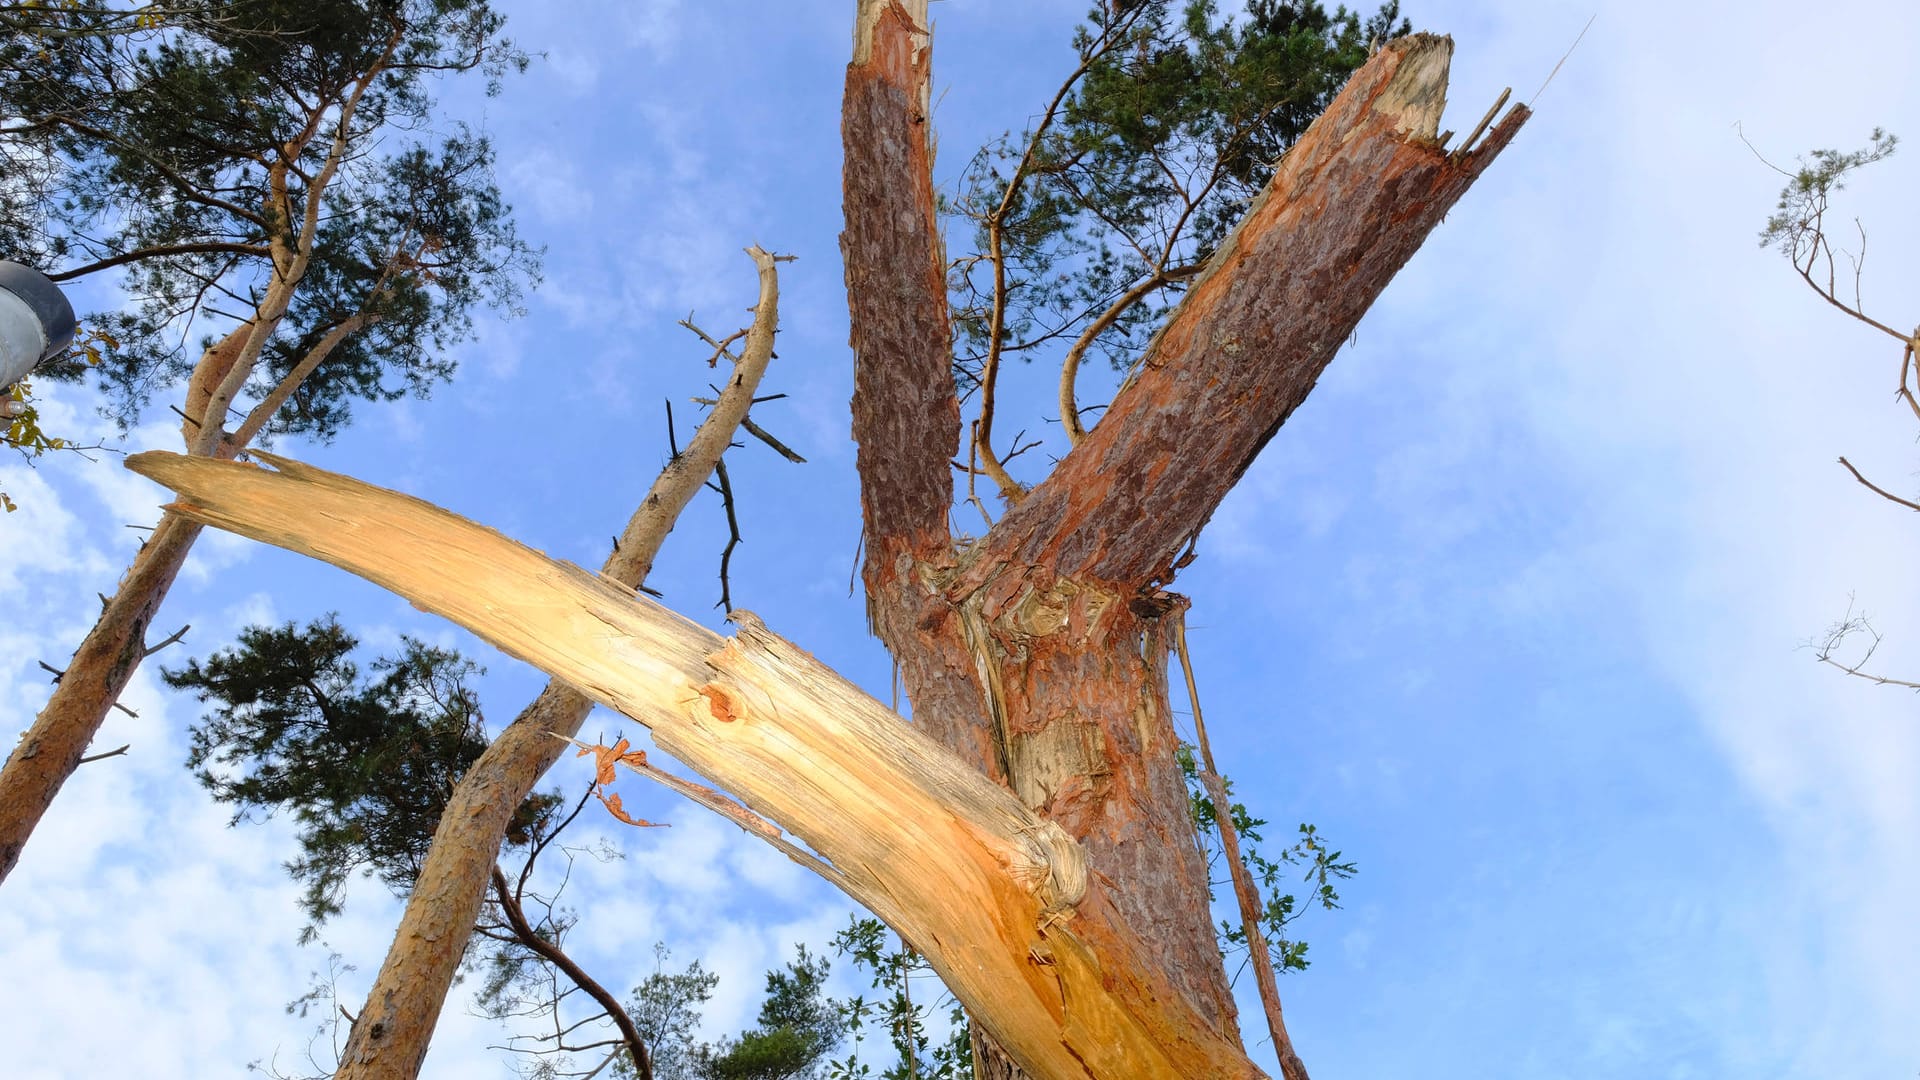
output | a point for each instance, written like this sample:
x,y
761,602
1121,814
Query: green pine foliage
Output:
x,y
161,152
797,1026
1155,150
363,764
1795,225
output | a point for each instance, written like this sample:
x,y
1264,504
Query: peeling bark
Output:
x,y
1036,653
1348,206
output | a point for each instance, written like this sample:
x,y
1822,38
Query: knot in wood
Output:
x,y
1052,865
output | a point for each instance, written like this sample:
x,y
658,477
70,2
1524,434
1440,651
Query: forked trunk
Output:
x,y
1036,652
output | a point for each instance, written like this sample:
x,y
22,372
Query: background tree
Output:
x,y
1036,654
283,246
364,765
1798,230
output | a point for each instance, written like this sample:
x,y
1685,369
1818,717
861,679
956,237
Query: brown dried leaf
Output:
x,y
614,808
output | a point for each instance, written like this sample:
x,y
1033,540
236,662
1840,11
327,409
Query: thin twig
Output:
x,y
108,754
177,635
725,488
719,347
1563,59
1877,489
759,432
1838,633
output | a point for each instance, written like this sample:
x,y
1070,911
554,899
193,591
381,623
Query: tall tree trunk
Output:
x,y
1036,652
51,749
104,664
391,1035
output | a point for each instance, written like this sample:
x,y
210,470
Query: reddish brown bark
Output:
x,y
1349,205
1037,653
906,417
95,678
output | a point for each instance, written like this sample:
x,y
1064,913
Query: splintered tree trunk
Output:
x,y
998,898
1037,652
1029,831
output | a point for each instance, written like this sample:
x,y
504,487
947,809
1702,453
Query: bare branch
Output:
x,y
173,638
162,251
108,754
1877,489
1838,633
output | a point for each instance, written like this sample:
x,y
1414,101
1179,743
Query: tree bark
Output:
x,y
394,1029
1029,833
104,663
51,749
1036,652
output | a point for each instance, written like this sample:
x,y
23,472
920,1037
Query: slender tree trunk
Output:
x,y
391,1035
104,664
51,749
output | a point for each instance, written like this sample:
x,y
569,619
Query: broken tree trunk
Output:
x,y
1037,652
996,897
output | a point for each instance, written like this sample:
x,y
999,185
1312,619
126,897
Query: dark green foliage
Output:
x,y
798,1024
1155,151
190,154
910,993
1322,868
363,765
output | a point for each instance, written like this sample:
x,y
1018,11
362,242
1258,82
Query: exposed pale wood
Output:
x,y
996,897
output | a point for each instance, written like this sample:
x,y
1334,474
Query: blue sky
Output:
x,y
1512,608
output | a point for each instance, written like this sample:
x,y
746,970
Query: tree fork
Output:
x,y
1030,665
